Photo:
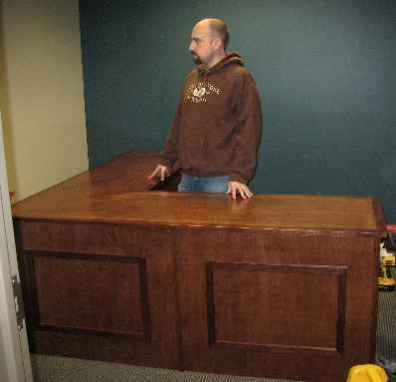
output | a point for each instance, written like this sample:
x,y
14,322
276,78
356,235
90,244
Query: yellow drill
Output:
x,y
386,278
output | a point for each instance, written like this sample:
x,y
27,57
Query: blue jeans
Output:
x,y
215,184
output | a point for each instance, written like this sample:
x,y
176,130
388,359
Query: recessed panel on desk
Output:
x,y
276,306
88,293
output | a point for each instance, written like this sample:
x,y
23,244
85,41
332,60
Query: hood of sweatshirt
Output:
x,y
233,58
217,126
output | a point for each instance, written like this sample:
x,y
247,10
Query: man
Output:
x,y
217,127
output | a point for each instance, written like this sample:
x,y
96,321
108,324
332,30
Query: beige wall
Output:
x,y
41,93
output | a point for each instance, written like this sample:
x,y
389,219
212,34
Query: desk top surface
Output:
x,y
118,193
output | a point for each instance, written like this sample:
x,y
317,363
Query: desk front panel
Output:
x,y
277,303
101,291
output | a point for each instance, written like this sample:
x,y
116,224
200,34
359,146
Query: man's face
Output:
x,y
202,46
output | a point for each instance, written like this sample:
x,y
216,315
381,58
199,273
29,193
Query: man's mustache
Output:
x,y
196,58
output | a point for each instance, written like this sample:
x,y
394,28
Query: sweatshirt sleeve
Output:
x,y
170,154
247,133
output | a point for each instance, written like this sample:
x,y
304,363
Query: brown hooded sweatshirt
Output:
x,y
217,127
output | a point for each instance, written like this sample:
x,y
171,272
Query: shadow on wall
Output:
x,y
5,111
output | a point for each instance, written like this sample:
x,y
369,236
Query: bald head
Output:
x,y
218,28
209,39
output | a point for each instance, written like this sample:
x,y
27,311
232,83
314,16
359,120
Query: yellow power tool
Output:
x,y
367,373
386,278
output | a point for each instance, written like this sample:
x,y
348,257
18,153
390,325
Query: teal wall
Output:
x,y
325,70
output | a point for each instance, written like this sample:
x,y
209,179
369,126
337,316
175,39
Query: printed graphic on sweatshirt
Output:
x,y
200,92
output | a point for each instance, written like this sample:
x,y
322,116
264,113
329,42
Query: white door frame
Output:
x,y
15,363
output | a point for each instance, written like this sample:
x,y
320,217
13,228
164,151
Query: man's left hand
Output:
x,y
235,188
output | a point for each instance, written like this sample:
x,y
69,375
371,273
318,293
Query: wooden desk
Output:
x,y
279,285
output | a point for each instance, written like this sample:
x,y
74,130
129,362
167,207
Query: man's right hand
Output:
x,y
160,172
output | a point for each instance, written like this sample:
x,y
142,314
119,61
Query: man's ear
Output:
x,y
217,42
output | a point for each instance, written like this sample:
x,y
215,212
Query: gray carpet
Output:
x,y
61,369
386,329
51,369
